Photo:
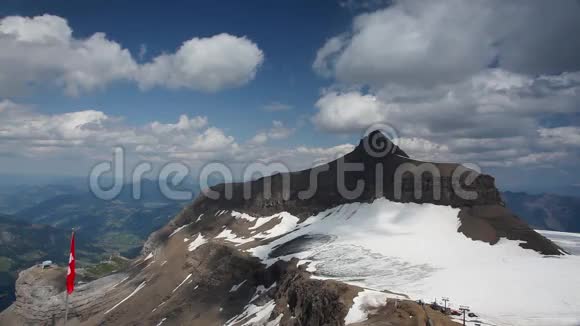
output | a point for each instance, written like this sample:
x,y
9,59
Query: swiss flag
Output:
x,y
70,275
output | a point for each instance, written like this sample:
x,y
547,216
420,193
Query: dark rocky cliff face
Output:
x,y
376,171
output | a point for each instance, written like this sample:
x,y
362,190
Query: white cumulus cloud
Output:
x,y
207,64
92,133
278,131
491,117
348,111
569,135
42,50
427,42
82,138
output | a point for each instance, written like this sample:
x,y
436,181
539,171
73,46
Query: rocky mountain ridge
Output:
x,y
240,260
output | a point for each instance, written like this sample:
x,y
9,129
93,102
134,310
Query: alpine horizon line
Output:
x,y
425,175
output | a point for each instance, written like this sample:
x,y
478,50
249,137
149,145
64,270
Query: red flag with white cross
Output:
x,y
70,275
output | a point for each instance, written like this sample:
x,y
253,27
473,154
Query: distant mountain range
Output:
x,y
115,226
546,211
120,225
16,198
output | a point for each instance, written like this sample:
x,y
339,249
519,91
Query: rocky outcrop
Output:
x,y
407,313
312,302
40,297
490,223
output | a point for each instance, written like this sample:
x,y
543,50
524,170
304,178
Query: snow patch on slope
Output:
x,y
363,303
178,229
180,284
286,223
196,243
254,315
230,236
142,285
236,287
261,290
243,216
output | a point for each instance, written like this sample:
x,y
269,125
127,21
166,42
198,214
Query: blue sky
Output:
x,y
293,81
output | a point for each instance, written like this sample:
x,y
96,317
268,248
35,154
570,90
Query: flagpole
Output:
x,y
67,294
66,309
